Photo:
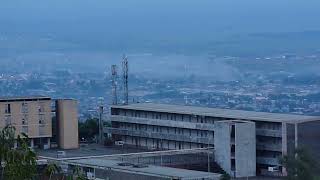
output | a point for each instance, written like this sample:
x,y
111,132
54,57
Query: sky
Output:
x,y
194,15
145,26
155,24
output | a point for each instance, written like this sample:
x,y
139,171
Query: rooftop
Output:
x,y
23,98
86,150
223,113
158,171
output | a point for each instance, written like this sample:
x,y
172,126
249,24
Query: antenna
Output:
x,y
125,79
114,75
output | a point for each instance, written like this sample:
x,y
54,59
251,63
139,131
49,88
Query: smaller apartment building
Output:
x,y
29,115
161,126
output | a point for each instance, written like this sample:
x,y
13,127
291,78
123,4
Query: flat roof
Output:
x,y
222,113
23,98
151,170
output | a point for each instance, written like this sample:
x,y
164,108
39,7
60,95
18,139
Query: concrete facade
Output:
x,y
29,115
160,126
67,123
235,147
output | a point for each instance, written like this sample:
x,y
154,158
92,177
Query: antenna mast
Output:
x,y
125,79
114,84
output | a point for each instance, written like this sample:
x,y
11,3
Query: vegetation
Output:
x,y
88,129
19,162
225,176
300,165
52,169
78,173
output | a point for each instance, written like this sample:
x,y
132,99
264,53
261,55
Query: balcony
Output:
x,y
269,146
163,122
269,132
268,161
157,135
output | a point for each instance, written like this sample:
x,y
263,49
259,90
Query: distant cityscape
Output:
x,y
282,84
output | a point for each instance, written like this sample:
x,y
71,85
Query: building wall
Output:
x,y
245,149
32,116
67,123
309,138
222,143
290,136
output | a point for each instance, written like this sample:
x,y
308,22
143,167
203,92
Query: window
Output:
x,y
41,119
41,108
24,129
7,109
7,119
23,121
24,107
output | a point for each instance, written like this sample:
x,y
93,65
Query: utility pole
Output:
x,y
208,153
125,70
114,84
100,139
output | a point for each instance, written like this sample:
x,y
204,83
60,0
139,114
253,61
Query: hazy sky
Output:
x,y
165,25
143,26
197,15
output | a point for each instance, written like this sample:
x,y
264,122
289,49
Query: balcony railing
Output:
x,y
269,146
269,132
268,161
163,122
158,135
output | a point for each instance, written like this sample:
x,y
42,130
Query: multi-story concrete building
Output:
x,y
67,123
33,116
29,115
178,127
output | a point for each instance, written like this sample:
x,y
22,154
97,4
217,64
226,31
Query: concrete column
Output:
x,y
284,145
296,135
49,143
31,143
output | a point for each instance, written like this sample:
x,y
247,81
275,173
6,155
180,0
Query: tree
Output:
x,y
88,129
6,143
52,169
78,173
225,176
19,162
300,165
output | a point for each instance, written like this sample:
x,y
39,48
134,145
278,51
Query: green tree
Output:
x,y
51,169
78,173
225,176
6,144
19,162
88,129
300,165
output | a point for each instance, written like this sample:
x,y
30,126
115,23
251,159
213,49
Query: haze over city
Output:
x,y
181,89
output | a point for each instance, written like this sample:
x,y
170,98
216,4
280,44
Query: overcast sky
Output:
x,y
238,15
